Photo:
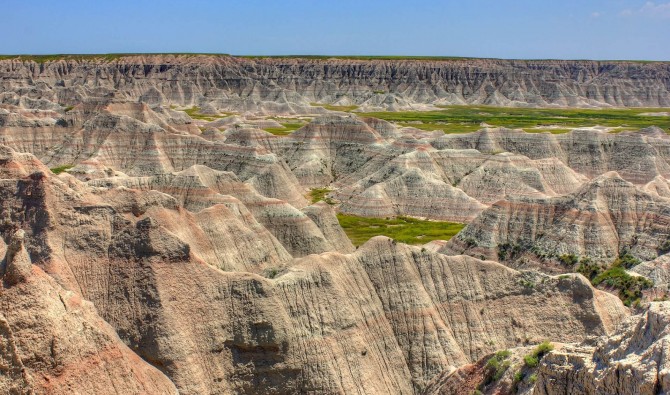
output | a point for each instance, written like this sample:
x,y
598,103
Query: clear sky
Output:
x,y
562,29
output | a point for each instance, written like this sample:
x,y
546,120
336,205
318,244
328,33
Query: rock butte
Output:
x,y
181,254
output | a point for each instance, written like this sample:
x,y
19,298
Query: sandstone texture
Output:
x,y
603,219
155,240
179,289
286,85
634,360
52,341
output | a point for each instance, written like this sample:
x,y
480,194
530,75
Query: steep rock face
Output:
x,y
657,270
284,85
414,184
634,360
452,184
600,220
325,218
200,187
514,175
54,342
225,235
385,318
332,147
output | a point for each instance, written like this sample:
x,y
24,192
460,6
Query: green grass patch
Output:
x,y
108,57
60,169
355,57
335,108
194,113
462,119
403,229
319,194
286,129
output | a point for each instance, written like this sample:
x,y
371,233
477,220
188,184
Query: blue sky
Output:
x,y
562,29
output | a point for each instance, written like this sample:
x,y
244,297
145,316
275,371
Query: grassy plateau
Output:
x,y
463,119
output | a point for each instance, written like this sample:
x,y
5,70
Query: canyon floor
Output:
x,y
217,225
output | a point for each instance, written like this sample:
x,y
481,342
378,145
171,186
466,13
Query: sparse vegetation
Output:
x,y
318,194
508,251
271,272
664,248
462,119
568,259
533,359
630,287
615,277
335,108
286,129
61,169
403,229
194,112
496,366
626,261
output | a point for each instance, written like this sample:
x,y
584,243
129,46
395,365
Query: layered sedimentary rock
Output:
x,y
286,85
200,187
53,342
638,157
603,219
178,252
634,360
385,318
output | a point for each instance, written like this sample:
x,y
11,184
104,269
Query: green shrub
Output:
x,y
544,348
531,360
664,248
588,269
533,378
627,261
318,194
568,259
271,273
630,288
496,366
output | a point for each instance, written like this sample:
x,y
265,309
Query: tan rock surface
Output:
x,y
53,342
600,220
634,360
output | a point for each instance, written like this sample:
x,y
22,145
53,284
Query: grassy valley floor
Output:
x,y
403,229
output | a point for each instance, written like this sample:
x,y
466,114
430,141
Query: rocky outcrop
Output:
x,y
601,220
634,360
202,300
637,157
52,341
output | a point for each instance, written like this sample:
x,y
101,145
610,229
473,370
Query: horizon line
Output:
x,y
314,56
